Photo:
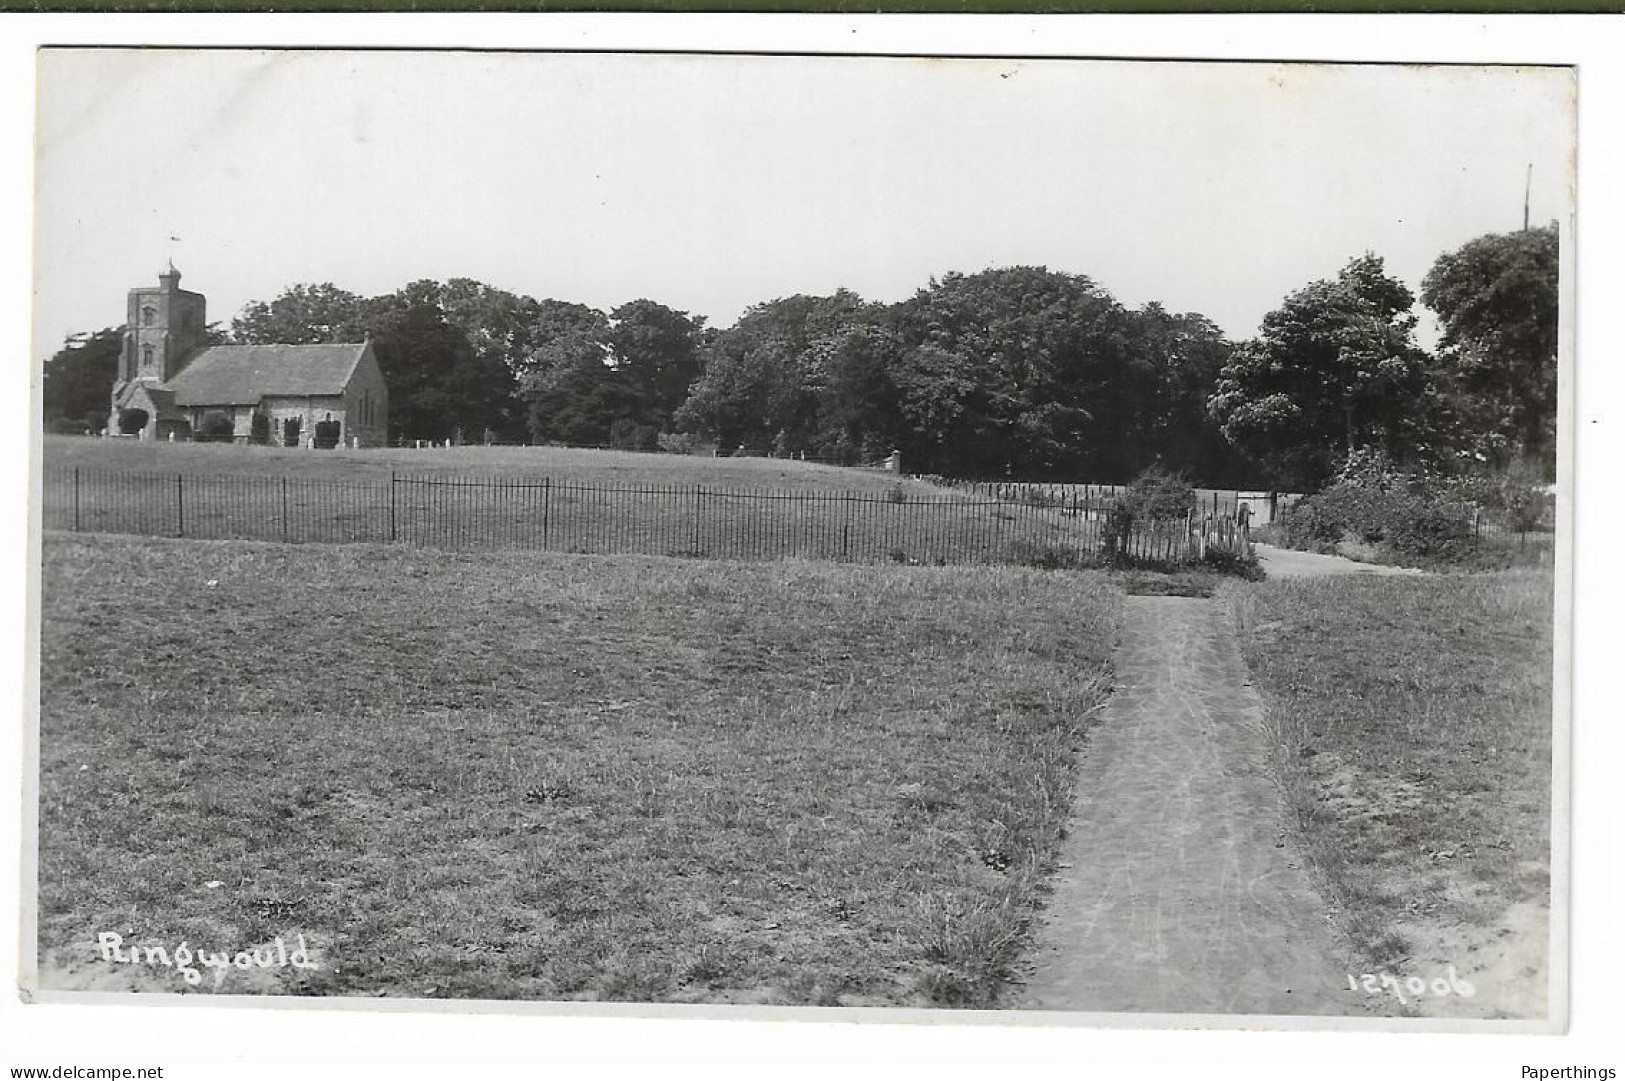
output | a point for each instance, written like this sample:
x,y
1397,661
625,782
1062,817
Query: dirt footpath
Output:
x,y
1290,563
1180,890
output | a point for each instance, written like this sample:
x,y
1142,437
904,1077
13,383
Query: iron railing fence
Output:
x,y
461,512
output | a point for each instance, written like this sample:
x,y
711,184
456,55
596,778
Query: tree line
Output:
x,y
1018,372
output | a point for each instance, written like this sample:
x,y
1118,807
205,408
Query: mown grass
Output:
x,y
1413,721
582,501
559,777
563,464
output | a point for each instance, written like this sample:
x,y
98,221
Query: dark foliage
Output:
x,y
1019,373
79,382
1333,369
1497,299
215,428
1410,513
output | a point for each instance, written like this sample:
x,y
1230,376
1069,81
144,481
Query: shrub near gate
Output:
x,y
1409,513
1156,495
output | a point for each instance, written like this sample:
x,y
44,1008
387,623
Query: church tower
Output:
x,y
163,327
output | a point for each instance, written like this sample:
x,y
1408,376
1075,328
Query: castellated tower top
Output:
x,y
164,326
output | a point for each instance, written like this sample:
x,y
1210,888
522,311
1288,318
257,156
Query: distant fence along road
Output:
x,y
540,513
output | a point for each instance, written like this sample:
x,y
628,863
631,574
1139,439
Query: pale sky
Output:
x,y
709,183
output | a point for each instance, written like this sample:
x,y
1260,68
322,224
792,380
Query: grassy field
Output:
x,y
547,776
562,464
1414,721
584,501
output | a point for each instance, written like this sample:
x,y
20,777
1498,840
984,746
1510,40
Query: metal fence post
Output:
x,y
698,494
392,506
180,504
284,509
547,508
76,499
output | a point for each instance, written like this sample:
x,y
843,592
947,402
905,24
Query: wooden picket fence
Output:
x,y
1180,540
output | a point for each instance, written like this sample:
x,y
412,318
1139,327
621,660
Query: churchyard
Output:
x,y
496,462
600,502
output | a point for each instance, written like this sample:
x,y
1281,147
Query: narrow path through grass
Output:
x,y
1180,892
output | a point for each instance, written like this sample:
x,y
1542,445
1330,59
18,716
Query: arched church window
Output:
x,y
146,356
147,316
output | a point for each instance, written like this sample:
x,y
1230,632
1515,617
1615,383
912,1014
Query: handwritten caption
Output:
x,y
190,964
1408,989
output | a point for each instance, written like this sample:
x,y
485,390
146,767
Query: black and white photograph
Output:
x,y
1070,539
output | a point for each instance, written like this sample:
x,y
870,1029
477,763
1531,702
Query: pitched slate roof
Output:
x,y
243,374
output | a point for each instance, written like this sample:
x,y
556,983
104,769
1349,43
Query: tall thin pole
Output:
x,y
1528,177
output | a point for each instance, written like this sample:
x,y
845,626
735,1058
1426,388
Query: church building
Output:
x,y
172,385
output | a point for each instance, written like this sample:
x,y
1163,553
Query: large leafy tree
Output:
x,y
79,381
575,395
553,320
303,314
1183,355
1334,369
1497,301
857,410
1013,371
657,351
440,385
766,381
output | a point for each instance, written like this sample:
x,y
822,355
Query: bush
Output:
x,y
677,442
216,428
1158,494
1420,528
1415,514
1312,524
60,425
1155,494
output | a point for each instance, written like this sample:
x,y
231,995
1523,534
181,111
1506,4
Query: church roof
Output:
x,y
161,400
243,374
164,402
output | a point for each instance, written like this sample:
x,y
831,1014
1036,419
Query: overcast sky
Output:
x,y
710,183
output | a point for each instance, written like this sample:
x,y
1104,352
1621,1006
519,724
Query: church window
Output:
x,y
147,316
146,356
